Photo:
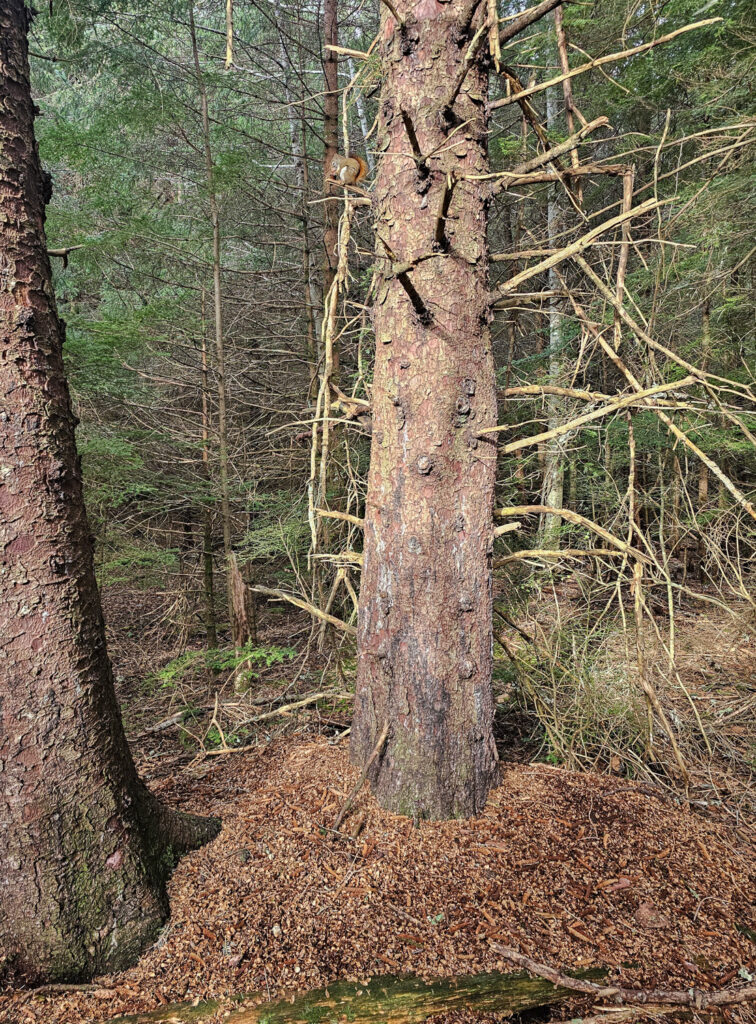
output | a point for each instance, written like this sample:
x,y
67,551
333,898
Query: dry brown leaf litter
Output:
x,y
571,869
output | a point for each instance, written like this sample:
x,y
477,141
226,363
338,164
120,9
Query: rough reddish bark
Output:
x,y
85,849
424,631
331,144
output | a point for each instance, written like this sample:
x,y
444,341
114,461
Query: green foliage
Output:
x,y
227,660
128,562
279,527
224,660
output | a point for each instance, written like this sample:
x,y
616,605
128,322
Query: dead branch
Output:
x,y
571,517
621,403
357,54
443,210
562,149
576,248
506,528
637,397
306,606
528,111
417,153
424,315
361,780
347,517
695,371
520,297
558,553
63,253
397,17
544,177
295,705
682,997
525,19
473,50
353,557
645,336
599,62
552,389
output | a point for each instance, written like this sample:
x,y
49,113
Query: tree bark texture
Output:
x,y
330,149
85,849
424,629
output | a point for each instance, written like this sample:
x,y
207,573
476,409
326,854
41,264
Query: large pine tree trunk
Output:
x,y
84,848
425,602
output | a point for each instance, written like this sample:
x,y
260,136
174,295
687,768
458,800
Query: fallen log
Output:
x,y
384,1000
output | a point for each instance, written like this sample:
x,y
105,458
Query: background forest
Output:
x,y
238,339
197,402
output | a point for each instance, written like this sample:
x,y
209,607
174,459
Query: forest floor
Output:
x,y
573,869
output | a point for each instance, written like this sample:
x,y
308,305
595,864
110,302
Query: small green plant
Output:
x,y
225,659
179,669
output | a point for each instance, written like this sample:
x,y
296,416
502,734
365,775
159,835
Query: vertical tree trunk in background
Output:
x,y
211,625
331,145
360,103
703,472
425,633
299,154
220,345
229,33
552,487
84,847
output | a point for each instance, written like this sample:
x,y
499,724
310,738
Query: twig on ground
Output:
x,y
361,781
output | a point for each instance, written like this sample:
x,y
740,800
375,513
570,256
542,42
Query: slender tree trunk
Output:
x,y
330,356
299,154
425,632
85,849
220,346
552,488
211,625
703,472
360,103
331,145
229,33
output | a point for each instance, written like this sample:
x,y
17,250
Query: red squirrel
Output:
x,y
348,169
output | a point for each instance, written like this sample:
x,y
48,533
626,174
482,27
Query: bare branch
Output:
x,y
579,246
525,19
347,517
357,54
306,606
420,160
599,62
577,519
683,997
562,149
636,398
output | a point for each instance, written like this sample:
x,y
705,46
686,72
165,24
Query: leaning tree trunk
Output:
x,y
84,848
425,604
